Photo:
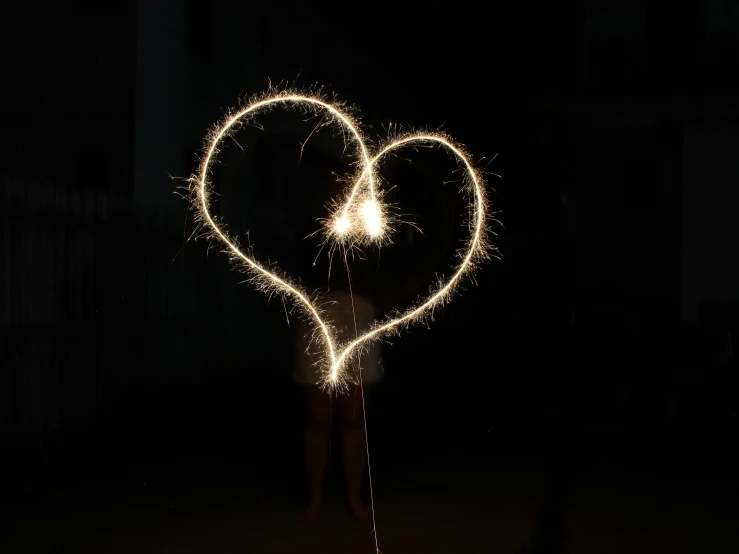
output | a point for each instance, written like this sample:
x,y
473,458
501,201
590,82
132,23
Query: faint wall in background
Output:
x,y
710,263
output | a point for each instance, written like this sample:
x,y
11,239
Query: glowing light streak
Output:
x,y
361,218
372,218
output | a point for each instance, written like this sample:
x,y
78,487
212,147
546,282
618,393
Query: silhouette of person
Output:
x,y
357,297
351,315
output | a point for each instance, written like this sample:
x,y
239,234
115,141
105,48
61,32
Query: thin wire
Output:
x,y
364,415
369,467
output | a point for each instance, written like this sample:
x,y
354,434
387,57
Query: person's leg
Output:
x,y
354,446
317,431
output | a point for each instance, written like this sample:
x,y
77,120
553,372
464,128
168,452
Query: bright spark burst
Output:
x,y
342,225
360,218
372,218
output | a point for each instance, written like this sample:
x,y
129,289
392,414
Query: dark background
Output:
x,y
581,397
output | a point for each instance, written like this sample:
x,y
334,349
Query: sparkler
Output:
x,y
360,218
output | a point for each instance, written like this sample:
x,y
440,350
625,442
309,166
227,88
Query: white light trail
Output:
x,y
360,218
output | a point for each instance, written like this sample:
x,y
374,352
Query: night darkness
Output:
x,y
578,396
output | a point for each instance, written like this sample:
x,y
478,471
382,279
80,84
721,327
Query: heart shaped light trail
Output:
x,y
360,218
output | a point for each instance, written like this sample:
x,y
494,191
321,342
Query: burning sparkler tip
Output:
x,y
372,218
342,225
